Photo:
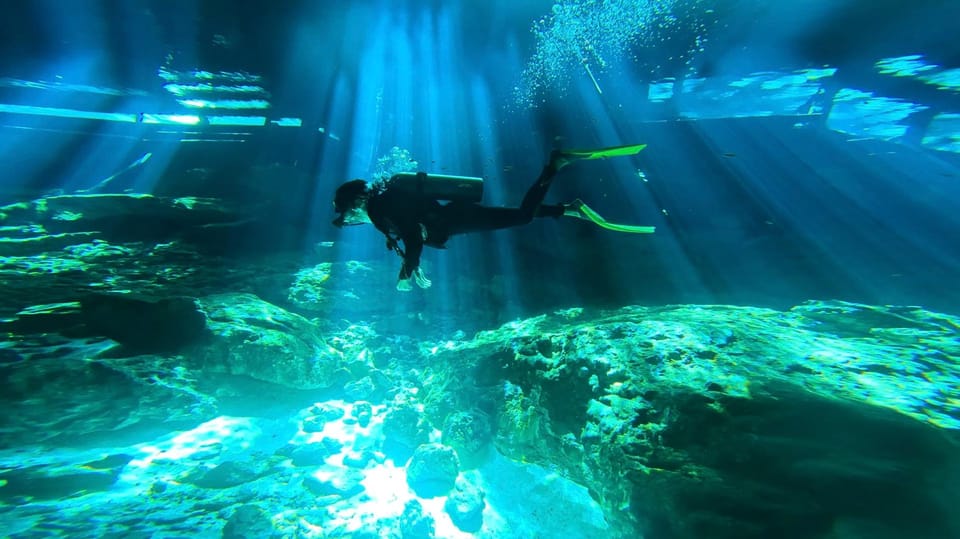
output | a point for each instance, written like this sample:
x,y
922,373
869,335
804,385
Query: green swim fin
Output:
x,y
603,153
581,211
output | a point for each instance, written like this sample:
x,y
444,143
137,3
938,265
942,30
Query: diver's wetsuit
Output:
x,y
418,220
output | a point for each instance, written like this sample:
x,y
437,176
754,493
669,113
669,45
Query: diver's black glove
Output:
x,y
394,245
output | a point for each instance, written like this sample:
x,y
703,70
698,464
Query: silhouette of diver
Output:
x,y
406,208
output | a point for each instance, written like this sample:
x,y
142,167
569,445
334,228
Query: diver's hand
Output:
x,y
421,279
392,244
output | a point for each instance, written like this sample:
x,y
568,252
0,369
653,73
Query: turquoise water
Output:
x,y
192,349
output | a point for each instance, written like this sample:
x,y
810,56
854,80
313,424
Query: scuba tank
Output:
x,y
438,186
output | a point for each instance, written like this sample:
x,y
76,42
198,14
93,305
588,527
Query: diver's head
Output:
x,y
350,202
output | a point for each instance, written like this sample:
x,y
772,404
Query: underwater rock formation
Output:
x,y
249,522
432,470
257,339
228,474
830,419
313,454
404,429
414,524
469,434
465,506
730,421
57,392
362,413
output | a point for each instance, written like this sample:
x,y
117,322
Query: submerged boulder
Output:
x,y
249,522
141,325
228,474
722,421
414,523
469,434
404,428
255,338
432,470
465,506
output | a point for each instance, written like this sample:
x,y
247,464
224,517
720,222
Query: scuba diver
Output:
x,y
406,208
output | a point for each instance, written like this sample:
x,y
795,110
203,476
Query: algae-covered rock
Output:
x,y
50,482
362,413
404,428
696,421
318,415
308,288
469,434
432,470
74,398
249,522
326,411
414,523
257,339
310,454
521,419
361,389
228,474
42,243
465,506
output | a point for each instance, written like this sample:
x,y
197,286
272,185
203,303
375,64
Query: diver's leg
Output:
x,y
535,195
551,210
562,158
461,218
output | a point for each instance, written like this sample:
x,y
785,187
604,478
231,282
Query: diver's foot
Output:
x,y
421,279
574,209
560,159
581,211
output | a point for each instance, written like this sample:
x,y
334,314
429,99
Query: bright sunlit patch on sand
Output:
x,y
241,432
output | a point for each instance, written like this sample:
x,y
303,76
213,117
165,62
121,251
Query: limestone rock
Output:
x,y
465,506
363,412
228,474
469,434
414,523
249,522
726,421
404,428
361,389
313,454
254,338
432,470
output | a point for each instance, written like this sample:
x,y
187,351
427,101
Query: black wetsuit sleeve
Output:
x,y
399,217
